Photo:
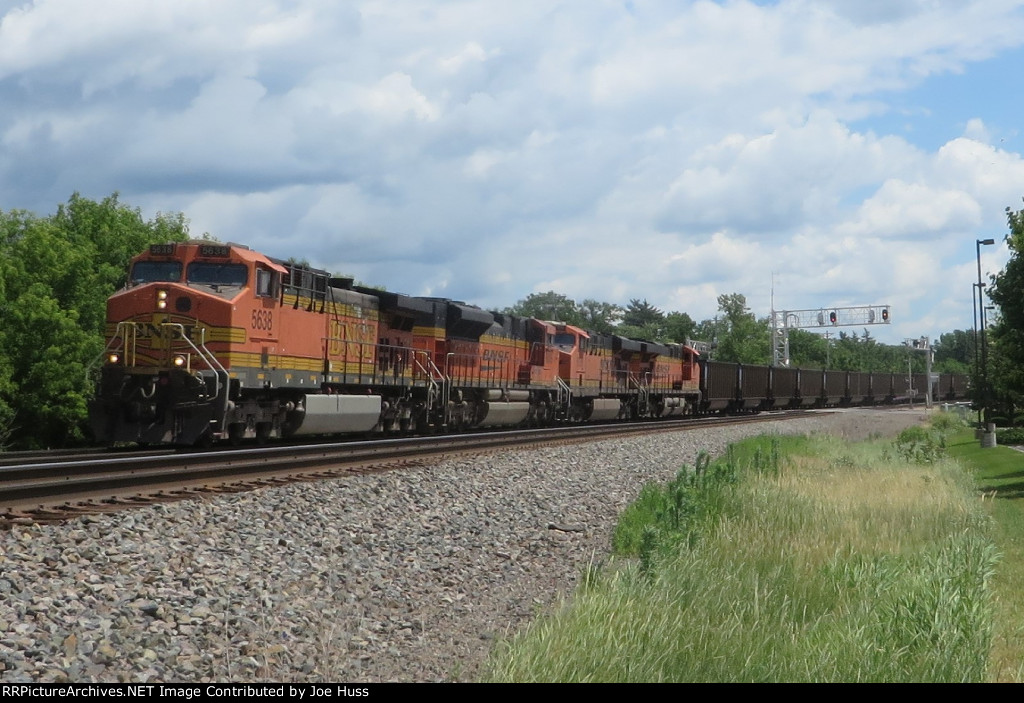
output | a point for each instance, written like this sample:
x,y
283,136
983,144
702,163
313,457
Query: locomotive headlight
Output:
x,y
114,358
161,299
179,360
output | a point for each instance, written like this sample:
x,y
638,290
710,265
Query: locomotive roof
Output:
x,y
620,343
398,301
573,328
285,265
255,257
239,250
464,312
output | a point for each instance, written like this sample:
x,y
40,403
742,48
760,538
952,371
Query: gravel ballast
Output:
x,y
404,576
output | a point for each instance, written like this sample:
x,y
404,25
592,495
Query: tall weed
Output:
x,y
805,560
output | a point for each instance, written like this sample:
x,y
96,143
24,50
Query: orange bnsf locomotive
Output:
x,y
214,341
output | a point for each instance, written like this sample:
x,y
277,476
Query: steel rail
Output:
x,y
61,489
44,456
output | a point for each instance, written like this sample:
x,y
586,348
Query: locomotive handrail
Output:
x,y
429,369
381,358
470,369
619,380
643,391
446,387
207,356
634,380
448,365
566,390
118,335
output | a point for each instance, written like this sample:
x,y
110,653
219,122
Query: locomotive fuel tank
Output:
x,y
334,414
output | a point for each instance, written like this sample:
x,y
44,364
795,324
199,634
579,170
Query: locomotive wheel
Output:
x,y
236,431
262,432
204,441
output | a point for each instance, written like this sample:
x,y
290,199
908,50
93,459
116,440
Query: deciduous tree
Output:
x,y
56,273
597,316
547,306
1006,349
742,337
954,352
679,327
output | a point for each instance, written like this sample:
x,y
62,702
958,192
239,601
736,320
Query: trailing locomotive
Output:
x,y
217,342
213,342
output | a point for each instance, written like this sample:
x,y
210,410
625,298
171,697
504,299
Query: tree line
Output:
x,y
57,271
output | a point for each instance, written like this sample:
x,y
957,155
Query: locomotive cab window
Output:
x,y
211,274
150,271
565,340
266,283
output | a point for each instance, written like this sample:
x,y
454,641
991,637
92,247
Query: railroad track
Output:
x,y
46,456
68,486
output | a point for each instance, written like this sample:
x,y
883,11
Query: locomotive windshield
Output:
x,y
565,340
210,274
150,271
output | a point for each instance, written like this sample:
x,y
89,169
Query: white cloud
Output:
x,y
394,97
471,53
659,150
901,210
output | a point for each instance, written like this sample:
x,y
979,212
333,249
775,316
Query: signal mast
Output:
x,y
782,321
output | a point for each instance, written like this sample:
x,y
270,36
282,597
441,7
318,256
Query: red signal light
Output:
x,y
832,317
885,314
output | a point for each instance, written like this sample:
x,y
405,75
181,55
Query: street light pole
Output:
x,y
984,347
983,381
977,350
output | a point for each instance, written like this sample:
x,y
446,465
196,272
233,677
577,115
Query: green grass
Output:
x,y
800,559
999,472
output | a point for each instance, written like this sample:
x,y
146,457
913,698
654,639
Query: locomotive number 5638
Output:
x,y
262,320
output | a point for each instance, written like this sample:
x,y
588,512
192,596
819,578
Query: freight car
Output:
x,y
211,342
741,387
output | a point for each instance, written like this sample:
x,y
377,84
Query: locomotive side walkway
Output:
x,y
404,576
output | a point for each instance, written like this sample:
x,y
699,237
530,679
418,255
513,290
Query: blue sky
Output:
x,y
940,107
667,150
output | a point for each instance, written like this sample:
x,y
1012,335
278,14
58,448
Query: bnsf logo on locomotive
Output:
x,y
351,338
495,355
164,330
